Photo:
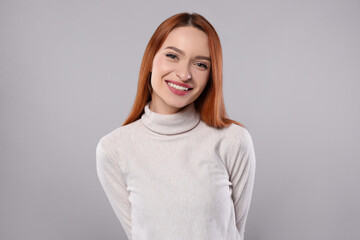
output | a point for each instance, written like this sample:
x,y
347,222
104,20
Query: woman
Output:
x,y
178,168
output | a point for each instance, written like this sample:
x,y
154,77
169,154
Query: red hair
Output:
x,y
210,103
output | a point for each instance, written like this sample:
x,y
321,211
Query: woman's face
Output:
x,y
183,60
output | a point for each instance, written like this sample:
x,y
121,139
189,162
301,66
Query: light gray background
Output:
x,y
69,74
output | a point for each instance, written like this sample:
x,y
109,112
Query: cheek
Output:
x,y
161,66
202,78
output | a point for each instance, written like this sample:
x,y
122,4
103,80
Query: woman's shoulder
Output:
x,y
120,135
233,135
239,131
231,131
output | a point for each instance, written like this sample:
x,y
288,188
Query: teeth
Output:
x,y
177,86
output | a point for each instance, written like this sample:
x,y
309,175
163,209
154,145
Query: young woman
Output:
x,y
178,168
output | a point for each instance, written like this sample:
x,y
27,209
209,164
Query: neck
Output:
x,y
169,124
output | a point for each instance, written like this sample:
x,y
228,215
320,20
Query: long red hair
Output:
x,y
210,104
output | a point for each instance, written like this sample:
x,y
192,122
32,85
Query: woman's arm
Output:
x,y
114,185
242,174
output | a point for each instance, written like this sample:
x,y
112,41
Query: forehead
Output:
x,y
189,39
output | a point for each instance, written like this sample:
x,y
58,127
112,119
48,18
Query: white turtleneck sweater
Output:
x,y
172,177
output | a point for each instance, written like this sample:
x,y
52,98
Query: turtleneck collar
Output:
x,y
169,124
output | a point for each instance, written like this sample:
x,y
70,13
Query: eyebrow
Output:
x,y
183,53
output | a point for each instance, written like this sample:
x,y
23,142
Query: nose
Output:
x,y
183,72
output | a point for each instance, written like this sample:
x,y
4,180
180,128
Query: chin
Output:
x,y
178,104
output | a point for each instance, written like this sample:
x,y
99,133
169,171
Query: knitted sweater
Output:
x,y
172,177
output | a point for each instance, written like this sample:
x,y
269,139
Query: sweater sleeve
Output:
x,y
114,185
242,174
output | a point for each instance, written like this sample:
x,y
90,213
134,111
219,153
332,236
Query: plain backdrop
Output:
x,y
69,72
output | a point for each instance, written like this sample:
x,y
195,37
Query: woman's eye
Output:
x,y
170,55
202,65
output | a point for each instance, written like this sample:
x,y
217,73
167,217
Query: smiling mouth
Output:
x,y
178,87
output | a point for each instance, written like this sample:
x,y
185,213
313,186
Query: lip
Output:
x,y
177,91
179,83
